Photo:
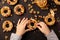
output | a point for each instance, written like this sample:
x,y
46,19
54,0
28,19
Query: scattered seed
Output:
x,y
38,12
43,16
25,1
32,2
34,12
40,16
30,11
6,37
29,5
35,16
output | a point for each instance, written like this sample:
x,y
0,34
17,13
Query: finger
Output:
x,y
43,24
27,30
18,22
40,24
25,23
23,20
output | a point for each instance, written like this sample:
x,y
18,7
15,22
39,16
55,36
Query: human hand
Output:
x,y
20,29
43,28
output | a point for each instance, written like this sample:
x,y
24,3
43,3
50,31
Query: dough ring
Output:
x,y
32,24
41,3
57,2
49,20
5,11
7,26
12,2
19,9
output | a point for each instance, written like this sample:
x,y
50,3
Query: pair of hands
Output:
x,y
21,25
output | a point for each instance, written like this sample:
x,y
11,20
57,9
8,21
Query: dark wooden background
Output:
x,y
35,34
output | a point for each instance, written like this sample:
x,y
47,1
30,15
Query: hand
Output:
x,y
20,30
43,28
